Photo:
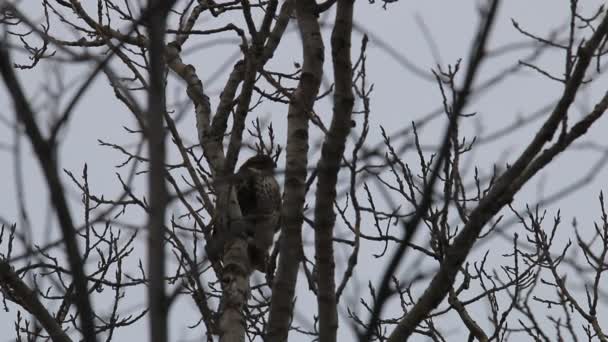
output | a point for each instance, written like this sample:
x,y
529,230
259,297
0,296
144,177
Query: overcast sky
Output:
x,y
399,97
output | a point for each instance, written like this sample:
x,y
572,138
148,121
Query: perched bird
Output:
x,y
259,197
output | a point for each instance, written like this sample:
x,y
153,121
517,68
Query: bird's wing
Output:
x,y
245,191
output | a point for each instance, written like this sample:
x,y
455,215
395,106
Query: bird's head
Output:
x,y
260,162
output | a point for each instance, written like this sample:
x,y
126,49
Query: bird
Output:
x,y
259,198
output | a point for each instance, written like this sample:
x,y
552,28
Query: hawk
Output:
x,y
259,198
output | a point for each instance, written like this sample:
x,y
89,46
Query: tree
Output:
x,y
399,220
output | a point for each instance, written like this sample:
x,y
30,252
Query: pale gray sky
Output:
x,y
398,98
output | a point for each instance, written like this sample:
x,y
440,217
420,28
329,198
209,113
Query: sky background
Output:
x,y
399,97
